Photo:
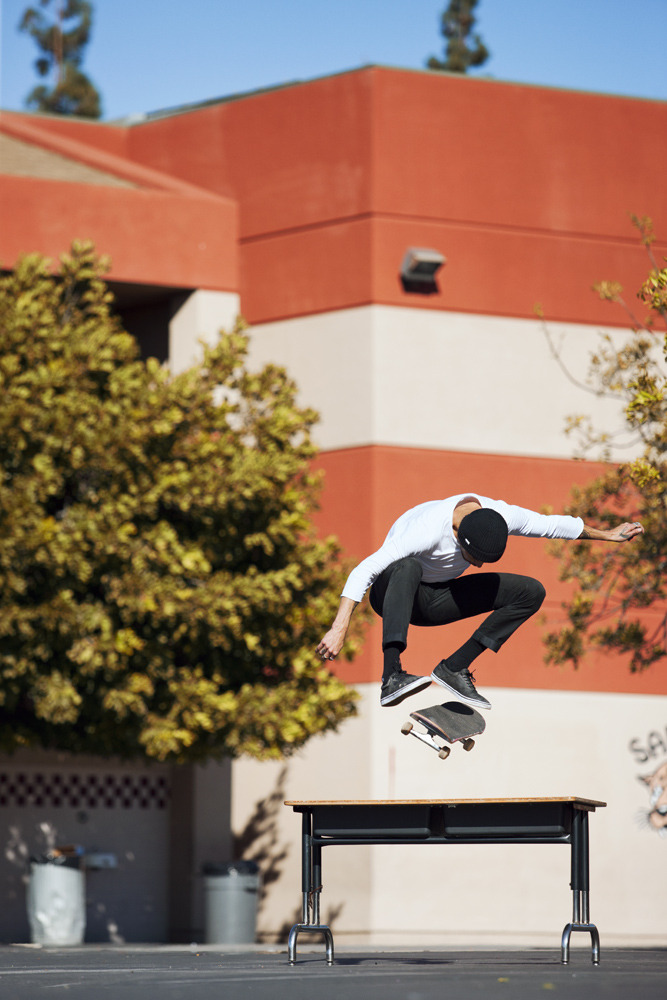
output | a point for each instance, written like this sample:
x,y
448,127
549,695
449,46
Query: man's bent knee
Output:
x,y
534,593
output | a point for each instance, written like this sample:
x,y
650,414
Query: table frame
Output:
x,y
326,823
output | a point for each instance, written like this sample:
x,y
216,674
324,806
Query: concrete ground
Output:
x,y
133,972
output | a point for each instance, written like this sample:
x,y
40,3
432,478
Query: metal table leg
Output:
x,y
311,887
580,890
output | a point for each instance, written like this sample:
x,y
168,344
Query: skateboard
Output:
x,y
452,722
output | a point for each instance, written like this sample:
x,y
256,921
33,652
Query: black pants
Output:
x,y
401,599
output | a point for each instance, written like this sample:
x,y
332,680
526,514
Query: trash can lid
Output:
x,y
230,868
61,861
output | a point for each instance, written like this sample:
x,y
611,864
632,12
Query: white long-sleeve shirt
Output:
x,y
426,532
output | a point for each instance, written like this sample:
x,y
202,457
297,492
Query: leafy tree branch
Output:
x,y
616,589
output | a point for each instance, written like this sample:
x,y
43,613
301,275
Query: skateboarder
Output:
x,y
415,579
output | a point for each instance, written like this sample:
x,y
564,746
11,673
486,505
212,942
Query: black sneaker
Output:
x,y
460,683
400,685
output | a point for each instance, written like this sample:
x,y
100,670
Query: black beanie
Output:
x,y
483,533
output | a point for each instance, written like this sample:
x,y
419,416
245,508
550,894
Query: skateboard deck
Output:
x,y
452,722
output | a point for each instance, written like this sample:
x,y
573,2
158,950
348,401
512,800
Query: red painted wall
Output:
x,y
294,156
152,237
515,156
527,191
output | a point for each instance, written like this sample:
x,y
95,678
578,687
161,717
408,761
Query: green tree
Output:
x,y
615,588
464,48
61,29
162,590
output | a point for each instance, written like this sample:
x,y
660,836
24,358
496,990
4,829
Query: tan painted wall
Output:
x,y
408,377
201,317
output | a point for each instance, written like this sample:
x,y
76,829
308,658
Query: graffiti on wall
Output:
x,y
651,754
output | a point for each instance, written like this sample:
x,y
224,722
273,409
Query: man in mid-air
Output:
x,y
415,578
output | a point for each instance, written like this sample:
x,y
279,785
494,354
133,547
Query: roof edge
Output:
x,y
144,118
18,128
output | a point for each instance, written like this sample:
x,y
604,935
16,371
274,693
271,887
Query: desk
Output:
x,y
444,821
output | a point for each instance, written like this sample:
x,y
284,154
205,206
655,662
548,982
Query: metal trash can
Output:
x,y
56,901
231,895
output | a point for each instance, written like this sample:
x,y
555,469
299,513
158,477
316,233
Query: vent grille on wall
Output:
x,y
107,791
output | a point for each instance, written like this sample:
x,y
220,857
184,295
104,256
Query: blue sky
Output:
x,y
151,54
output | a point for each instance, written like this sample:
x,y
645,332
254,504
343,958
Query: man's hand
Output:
x,y
621,533
332,643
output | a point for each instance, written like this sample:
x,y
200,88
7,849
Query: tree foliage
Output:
x,y
61,29
463,48
161,589
617,584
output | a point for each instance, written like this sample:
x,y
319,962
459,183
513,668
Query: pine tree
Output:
x,y
458,22
61,29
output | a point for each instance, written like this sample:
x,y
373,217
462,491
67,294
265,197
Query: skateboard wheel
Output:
x,y
444,753
468,744
406,728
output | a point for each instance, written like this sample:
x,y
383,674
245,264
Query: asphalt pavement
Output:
x,y
133,972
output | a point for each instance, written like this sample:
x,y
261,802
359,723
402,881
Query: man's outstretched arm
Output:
x,y
621,533
332,643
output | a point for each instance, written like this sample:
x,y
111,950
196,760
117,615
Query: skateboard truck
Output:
x,y
450,723
443,752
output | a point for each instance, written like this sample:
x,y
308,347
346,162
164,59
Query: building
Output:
x,y
296,206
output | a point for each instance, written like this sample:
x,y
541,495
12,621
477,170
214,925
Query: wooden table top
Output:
x,y
578,802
